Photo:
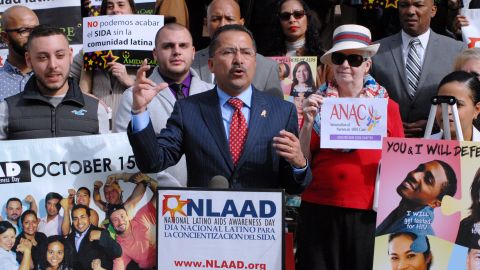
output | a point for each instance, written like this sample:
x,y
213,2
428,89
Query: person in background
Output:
x,y
340,196
7,255
223,12
469,60
17,23
52,104
295,33
174,10
29,222
465,87
174,53
409,66
107,85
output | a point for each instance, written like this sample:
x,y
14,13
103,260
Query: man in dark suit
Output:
x,y
90,242
201,125
435,55
223,12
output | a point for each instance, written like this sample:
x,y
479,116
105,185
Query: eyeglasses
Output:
x,y
354,60
22,31
230,52
297,14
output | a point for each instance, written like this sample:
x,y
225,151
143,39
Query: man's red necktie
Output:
x,y
238,130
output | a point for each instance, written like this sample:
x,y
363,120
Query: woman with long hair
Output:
x,y
295,33
29,221
465,87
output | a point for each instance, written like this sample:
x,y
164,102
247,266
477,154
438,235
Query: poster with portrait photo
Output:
x,y
63,165
425,188
298,77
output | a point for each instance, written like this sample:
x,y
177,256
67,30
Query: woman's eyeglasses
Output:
x,y
354,60
297,14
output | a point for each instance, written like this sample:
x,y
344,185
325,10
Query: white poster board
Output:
x,y
219,229
471,33
353,123
126,32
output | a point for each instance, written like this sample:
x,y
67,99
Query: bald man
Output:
x,y
17,23
223,12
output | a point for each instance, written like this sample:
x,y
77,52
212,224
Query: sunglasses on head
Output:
x,y
297,14
354,60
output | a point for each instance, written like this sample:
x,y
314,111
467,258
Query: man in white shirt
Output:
x,y
52,223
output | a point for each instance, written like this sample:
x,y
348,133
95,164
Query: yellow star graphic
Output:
x,y
109,57
178,208
391,3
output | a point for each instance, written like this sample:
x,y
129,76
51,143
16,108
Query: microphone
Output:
x,y
218,182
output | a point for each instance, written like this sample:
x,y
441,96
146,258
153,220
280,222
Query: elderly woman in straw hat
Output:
x,y
337,223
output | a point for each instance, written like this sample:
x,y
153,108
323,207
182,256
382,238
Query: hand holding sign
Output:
x,y
120,72
144,89
311,105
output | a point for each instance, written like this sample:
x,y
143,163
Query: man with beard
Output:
x,y
51,105
14,210
91,242
17,23
422,190
136,236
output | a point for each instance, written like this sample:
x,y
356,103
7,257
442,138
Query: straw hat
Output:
x,y
351,37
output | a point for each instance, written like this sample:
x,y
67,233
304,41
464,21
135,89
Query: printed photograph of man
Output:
x,y
421,191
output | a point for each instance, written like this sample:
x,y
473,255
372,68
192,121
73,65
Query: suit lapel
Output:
x,y
397,53
212,116
195,85
165,93
256,124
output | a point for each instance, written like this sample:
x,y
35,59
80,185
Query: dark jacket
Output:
x,y
36,250
31,115
106,249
